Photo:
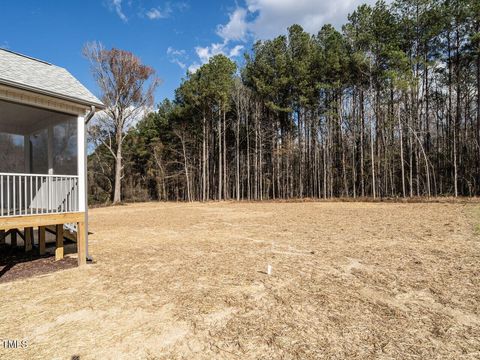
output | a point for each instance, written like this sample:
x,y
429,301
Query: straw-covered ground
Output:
x,y
188,281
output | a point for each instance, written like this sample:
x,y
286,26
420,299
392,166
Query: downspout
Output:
x,y
87,119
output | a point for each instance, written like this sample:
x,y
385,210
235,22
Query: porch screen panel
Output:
x,y
65,147
12,158
39,145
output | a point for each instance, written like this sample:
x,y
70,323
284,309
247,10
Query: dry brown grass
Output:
x,y
184,281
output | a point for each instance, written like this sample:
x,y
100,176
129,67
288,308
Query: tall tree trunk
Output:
x,y
185,163
372,156
260,167
325,180
204,159
362,145
256,162
453,153
344,166
237,152
117,195
300,153
249,190
402,161
478,105
224,142
458,112
220,160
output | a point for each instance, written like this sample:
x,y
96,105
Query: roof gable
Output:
x,y
38,76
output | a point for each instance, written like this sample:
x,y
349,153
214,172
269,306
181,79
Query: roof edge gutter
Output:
x,y
50,93
90,114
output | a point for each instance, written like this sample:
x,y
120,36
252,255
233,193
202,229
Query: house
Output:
x,y
43,114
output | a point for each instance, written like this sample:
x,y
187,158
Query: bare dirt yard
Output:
x,y
188,281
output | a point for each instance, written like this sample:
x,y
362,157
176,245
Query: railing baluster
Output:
x,y
50,195
36,194
8,195
19,194
42,199
63,194
70,194
73,196
57,195
56,190
30,197
14,195
52,190
25,195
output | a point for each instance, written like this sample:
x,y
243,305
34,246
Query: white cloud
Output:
x,y
205,53
175,52
263,19
135,7
193,68
158,13
273,17
178,57
236,28
180,63
236,51
182,6
181,58
117,6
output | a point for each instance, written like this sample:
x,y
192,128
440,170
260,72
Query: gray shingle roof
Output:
x,y
35,75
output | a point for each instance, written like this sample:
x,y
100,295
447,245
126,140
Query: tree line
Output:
x,y
387,107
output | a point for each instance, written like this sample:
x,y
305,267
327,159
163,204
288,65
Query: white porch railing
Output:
x,y
31,194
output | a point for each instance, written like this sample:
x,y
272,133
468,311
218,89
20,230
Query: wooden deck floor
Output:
x,y
26,224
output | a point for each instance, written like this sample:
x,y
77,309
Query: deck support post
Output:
x,y
81,244
13,238
41,240
59,242
28,234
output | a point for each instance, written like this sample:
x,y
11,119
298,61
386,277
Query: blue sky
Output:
x,y
170,36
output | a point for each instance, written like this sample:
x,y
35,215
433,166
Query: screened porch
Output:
x,y
38,161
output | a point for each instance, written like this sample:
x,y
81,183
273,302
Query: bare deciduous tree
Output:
x,y
127,88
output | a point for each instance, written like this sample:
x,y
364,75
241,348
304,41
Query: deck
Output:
x,y
46,202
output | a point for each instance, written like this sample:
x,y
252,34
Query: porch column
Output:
x,y
82,228
81,163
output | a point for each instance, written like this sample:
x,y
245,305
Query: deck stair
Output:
x,y
69,233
